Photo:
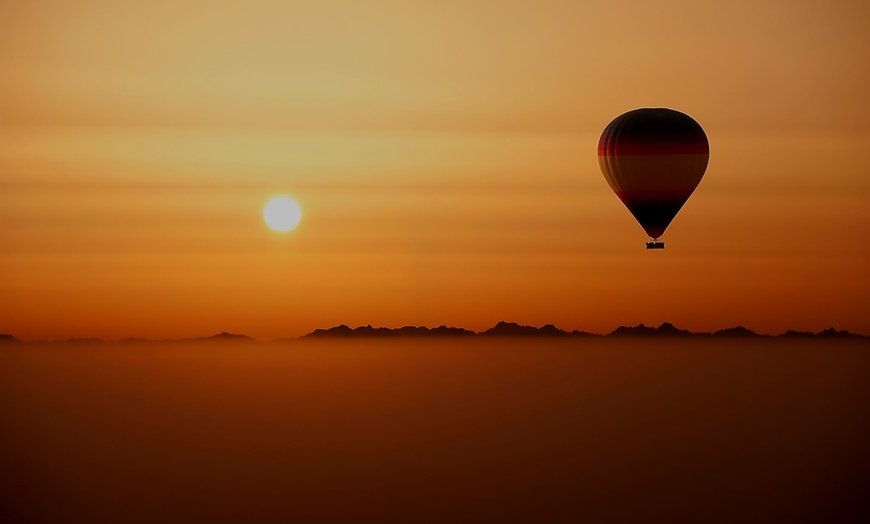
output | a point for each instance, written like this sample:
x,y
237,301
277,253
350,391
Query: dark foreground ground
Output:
x,y
436,431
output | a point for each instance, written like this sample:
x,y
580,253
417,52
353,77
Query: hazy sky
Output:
x,y
444,155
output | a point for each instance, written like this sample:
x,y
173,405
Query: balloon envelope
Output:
x,y
653,160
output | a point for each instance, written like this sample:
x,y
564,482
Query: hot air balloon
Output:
x,y
653,160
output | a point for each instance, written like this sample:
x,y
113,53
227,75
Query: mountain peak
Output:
x,y
737,331
640,330
512,329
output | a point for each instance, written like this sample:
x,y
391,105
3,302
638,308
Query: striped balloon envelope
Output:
x,y
653,160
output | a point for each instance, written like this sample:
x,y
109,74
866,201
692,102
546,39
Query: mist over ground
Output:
x,y
405,430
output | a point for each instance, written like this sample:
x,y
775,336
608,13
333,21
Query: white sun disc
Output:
x,y
282,214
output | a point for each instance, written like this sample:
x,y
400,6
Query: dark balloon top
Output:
x,y
653,131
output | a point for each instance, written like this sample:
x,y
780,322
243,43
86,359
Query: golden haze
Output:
x,y
443,155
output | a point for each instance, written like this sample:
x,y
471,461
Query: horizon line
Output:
x,y
502,328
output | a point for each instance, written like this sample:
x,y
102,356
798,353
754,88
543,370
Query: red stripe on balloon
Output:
x,y
606,148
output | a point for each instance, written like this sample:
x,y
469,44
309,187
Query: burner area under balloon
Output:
x,y
655,244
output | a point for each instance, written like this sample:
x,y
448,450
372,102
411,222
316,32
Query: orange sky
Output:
x,y
444,155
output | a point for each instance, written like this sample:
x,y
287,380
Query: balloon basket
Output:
x,y
655,244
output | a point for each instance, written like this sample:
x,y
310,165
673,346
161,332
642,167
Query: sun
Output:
x,y
282,214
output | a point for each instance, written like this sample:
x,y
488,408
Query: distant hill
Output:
x,y
737,332
343,331
512,329
833,333
665,330
7,338
828,333
218,338
445,331
223,337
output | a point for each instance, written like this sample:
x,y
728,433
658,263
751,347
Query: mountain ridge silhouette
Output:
x,y
502,329
513,329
